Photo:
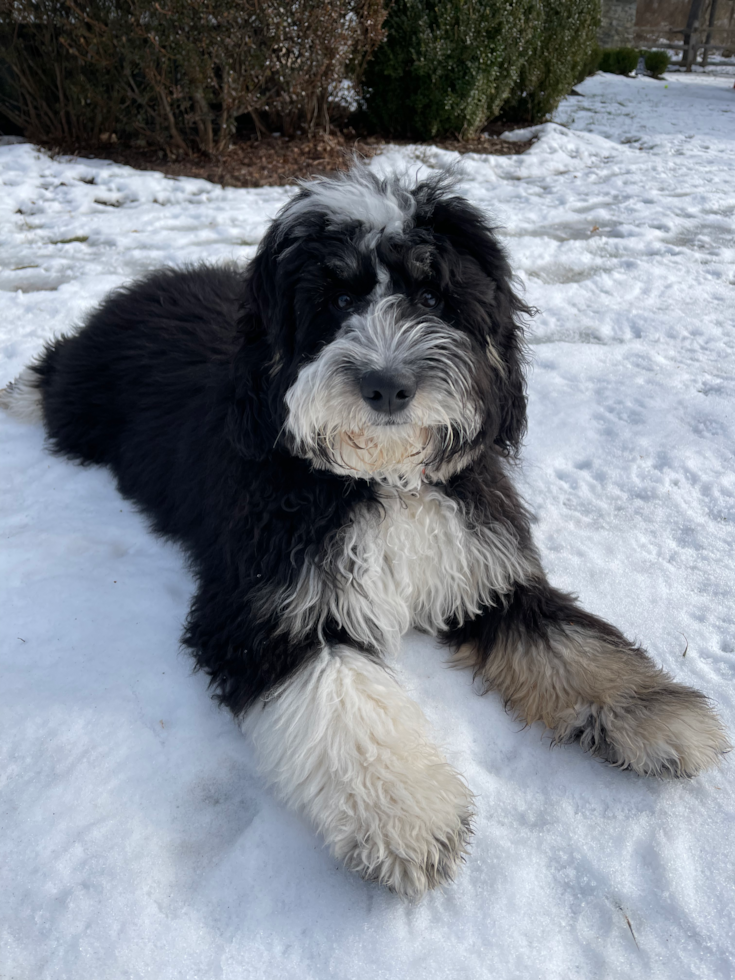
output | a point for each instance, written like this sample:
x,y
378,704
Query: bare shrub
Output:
x,y
177,73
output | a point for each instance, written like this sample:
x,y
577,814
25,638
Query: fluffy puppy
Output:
x,y
326,434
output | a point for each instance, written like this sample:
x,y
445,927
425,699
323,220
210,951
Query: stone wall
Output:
x,y
617,24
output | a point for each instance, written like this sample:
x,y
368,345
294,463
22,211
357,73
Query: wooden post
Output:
x,y
708,38
689,53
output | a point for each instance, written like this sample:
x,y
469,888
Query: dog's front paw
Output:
x,y
344,744
670,731
410,829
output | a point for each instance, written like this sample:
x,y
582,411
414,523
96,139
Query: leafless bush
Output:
x,y
178,73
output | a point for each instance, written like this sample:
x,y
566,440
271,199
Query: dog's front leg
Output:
x,y
343,743
553,662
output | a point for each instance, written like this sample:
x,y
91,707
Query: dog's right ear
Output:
x,y
251,426
255,417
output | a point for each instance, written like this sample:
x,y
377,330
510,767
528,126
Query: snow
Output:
x,y
138,839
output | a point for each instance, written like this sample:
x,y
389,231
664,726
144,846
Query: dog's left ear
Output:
x,y
507,313
469,234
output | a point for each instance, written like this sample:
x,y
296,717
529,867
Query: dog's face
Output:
x,y
392,328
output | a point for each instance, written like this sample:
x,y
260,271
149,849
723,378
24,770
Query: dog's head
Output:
x,y
390,334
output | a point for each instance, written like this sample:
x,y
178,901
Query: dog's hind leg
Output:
x,y
553,662
343,743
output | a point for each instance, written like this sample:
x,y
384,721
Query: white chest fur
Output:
x,y
420,562
432,562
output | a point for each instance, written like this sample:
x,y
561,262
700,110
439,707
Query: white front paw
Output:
x,y
343,744
408,832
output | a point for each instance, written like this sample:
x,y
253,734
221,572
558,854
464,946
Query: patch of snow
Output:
x,y
137,838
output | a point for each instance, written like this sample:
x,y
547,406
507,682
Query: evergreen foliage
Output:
x,y
447,67
656,62
591,63
562,46
619,61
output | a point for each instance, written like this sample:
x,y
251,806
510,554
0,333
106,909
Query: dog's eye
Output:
x,y
429,298
343,301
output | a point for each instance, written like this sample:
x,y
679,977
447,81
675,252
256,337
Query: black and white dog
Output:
x,y
327,435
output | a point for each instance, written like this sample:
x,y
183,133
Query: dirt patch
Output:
x,y
276,161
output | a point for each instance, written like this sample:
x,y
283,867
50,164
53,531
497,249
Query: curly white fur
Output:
x,y
419,562
343,744
358,196
22,397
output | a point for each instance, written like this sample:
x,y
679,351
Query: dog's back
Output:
x,y
142,386
158,341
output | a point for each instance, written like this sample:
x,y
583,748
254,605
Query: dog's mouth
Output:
x,y
388,421
391,453
363,450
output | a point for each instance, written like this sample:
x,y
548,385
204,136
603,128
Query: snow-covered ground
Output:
x,y
137,839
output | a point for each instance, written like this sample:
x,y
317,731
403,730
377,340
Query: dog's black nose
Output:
x,y
386,392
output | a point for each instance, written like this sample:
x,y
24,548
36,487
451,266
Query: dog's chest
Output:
x,y
422,564
421,555
415,561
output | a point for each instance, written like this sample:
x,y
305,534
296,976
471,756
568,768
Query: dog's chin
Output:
x,y
392,453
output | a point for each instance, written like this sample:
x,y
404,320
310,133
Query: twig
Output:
x,y
631,930
627,922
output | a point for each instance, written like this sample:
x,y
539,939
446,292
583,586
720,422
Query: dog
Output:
x,y
329,434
